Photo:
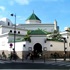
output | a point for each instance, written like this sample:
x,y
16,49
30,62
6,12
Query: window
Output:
x,y
51,45
10,31
24,45
18,32
14,31
8,23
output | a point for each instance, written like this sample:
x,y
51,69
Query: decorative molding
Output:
x,y
30,49
45,49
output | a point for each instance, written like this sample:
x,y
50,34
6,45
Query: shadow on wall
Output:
x,y
11,56
3,55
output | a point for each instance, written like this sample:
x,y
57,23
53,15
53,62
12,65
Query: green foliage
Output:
x,y
27,38
28,32
56,36
55,40
55,31
18,38
38,32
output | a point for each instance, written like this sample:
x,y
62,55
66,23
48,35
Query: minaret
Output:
x,y
55,25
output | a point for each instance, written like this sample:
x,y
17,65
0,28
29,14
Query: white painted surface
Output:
x,y
4,37
33,22
19,46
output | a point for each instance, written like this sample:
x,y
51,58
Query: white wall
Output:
x,y
7,29
19,46
33,22
56,46
4,45
4,21
68,42
35,40
47,27
4,42
67,36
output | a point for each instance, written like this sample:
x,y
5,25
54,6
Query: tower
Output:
x,y
33,19
55,25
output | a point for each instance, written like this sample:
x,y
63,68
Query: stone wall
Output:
x,y
47,54
20,54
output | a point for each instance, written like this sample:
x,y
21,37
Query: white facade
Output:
x,y
7,36
5,22
33,22
46,27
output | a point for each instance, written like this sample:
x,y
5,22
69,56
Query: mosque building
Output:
x,y
33,35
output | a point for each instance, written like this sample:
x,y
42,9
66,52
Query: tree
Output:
x,y
56,36
27,37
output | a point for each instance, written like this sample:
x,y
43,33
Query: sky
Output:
x,y
46,10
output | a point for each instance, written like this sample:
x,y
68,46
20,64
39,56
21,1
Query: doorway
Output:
x,y
37,49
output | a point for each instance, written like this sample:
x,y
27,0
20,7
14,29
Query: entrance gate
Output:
x,y
37,50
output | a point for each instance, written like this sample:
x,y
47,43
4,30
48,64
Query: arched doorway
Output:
x,y
37,49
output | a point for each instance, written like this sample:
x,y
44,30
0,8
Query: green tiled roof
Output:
x,y
12,41
38,32
33,17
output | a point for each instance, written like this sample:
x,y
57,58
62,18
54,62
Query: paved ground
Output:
x,y
28,64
